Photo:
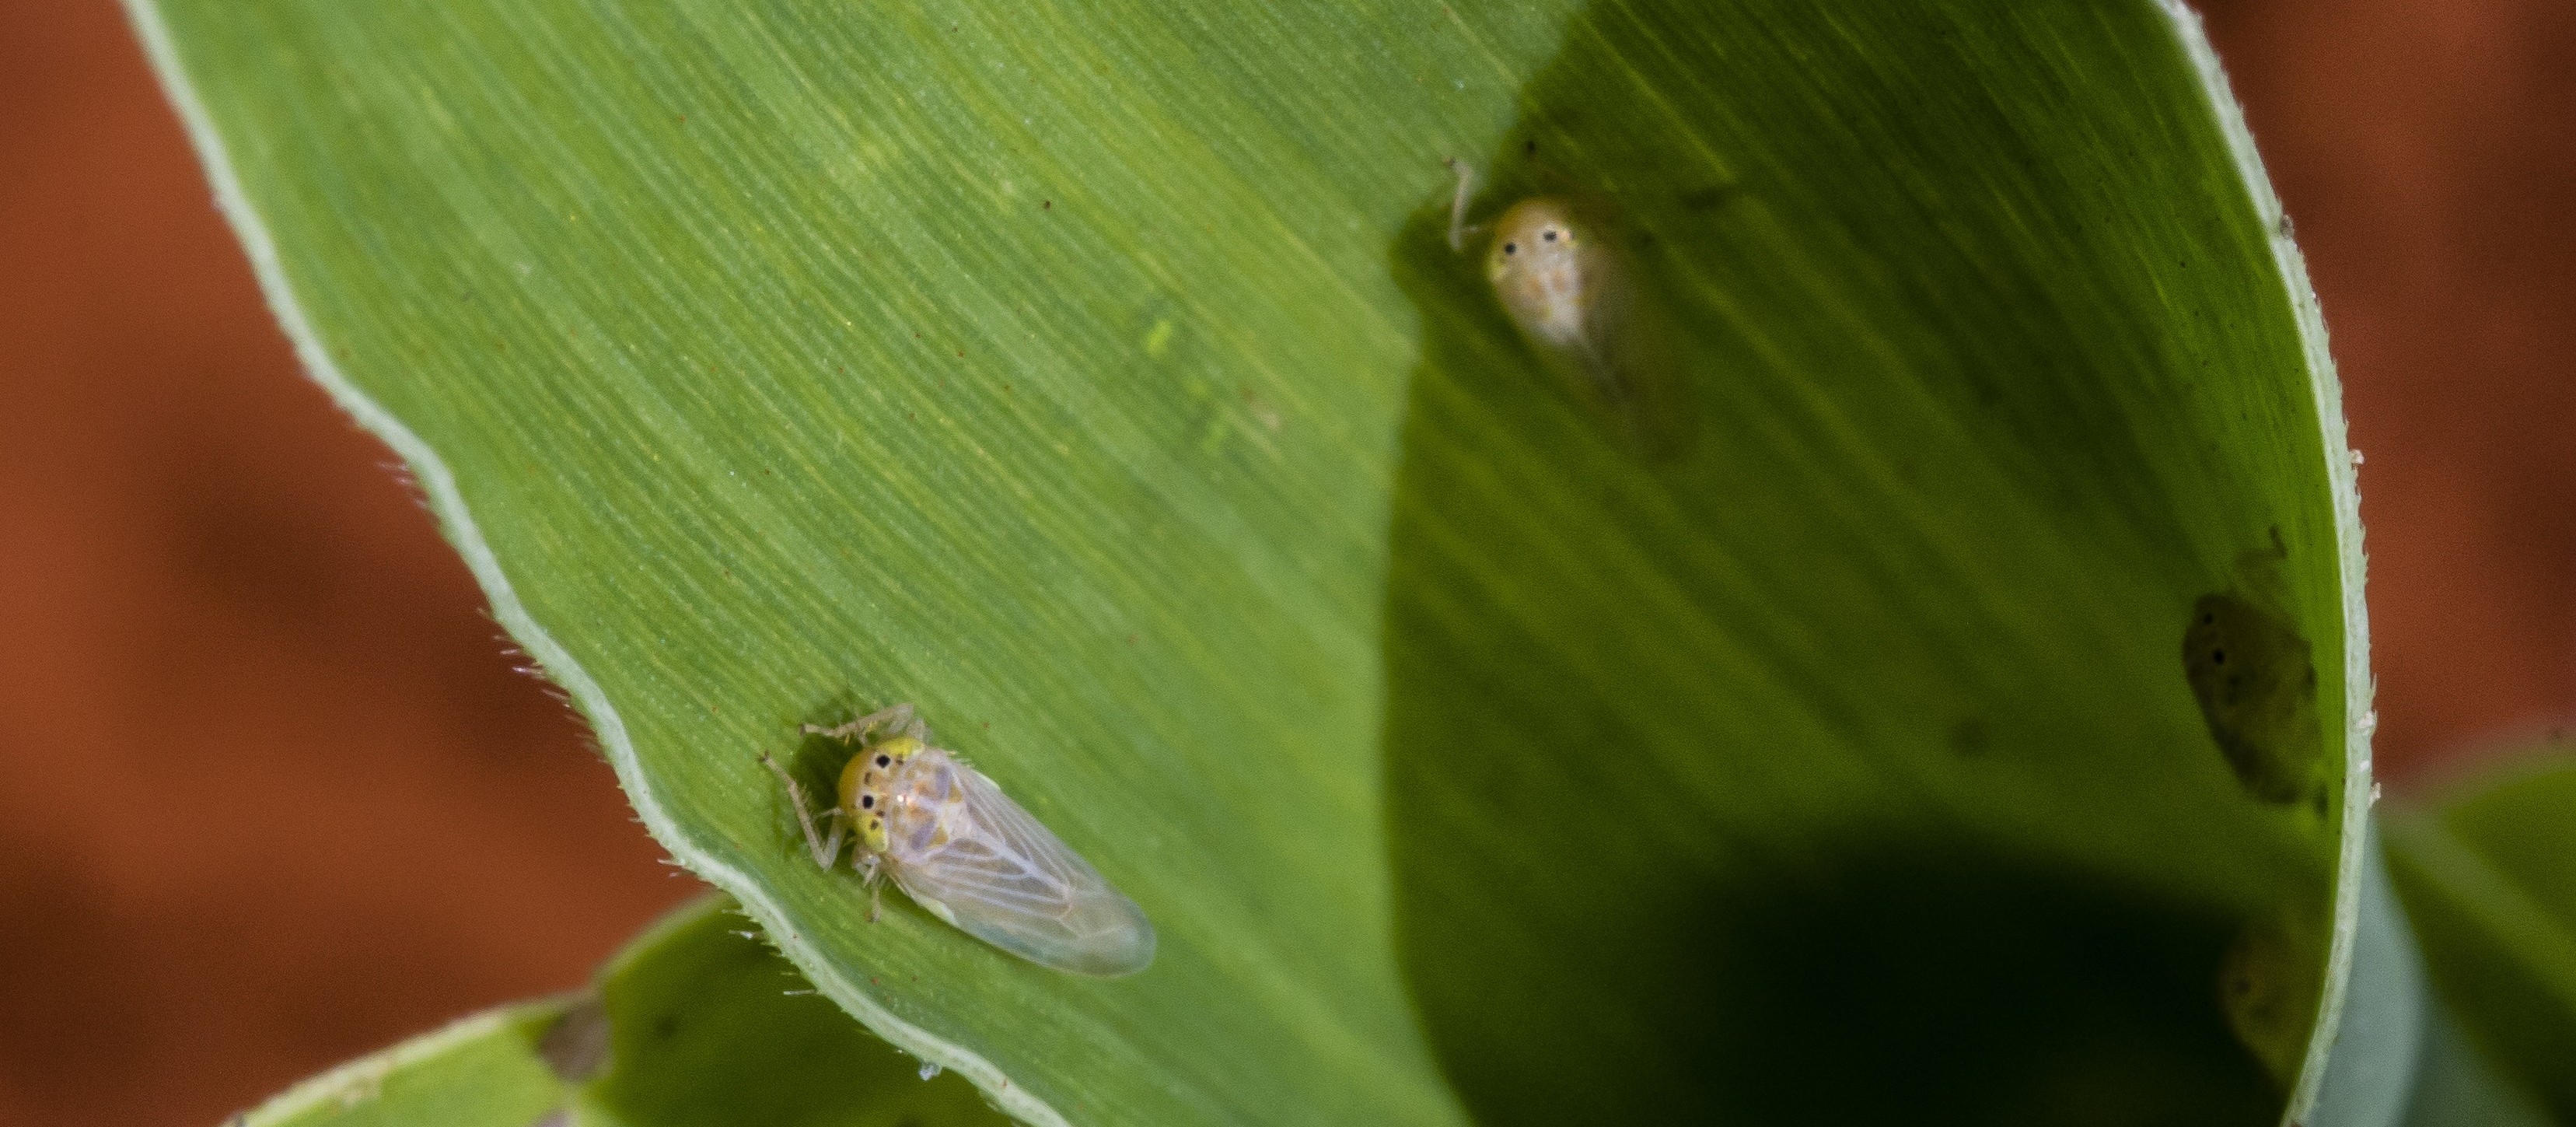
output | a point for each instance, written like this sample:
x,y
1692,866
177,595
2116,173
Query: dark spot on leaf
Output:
x,y
2256,685
1707,198
2268,982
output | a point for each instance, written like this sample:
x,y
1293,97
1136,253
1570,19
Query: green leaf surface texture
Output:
x,y
706,1026
1101,379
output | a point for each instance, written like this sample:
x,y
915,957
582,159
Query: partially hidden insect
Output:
x,y
961,848
1558,270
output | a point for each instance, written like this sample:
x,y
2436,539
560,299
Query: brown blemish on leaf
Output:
x,y
2257,687
2268,986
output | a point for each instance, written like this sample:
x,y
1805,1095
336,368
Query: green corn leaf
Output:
x,y
694,1024
1806,695
2487,867
705,1025
483,1069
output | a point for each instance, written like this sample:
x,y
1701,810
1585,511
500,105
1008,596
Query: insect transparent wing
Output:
x,y
1008,881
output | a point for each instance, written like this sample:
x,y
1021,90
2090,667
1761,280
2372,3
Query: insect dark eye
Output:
x,y
1511,248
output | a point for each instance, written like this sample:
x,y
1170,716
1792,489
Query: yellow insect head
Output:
x,y
1545,270
867,781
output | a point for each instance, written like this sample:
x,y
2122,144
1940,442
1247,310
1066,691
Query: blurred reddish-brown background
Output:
x,y
275,796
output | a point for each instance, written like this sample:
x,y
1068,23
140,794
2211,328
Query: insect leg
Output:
x,y
824,850
855,729
872,874
1459,228
832,841
903,720
900,718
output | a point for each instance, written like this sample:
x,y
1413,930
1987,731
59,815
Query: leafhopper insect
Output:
x,y
1560,274
951,840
